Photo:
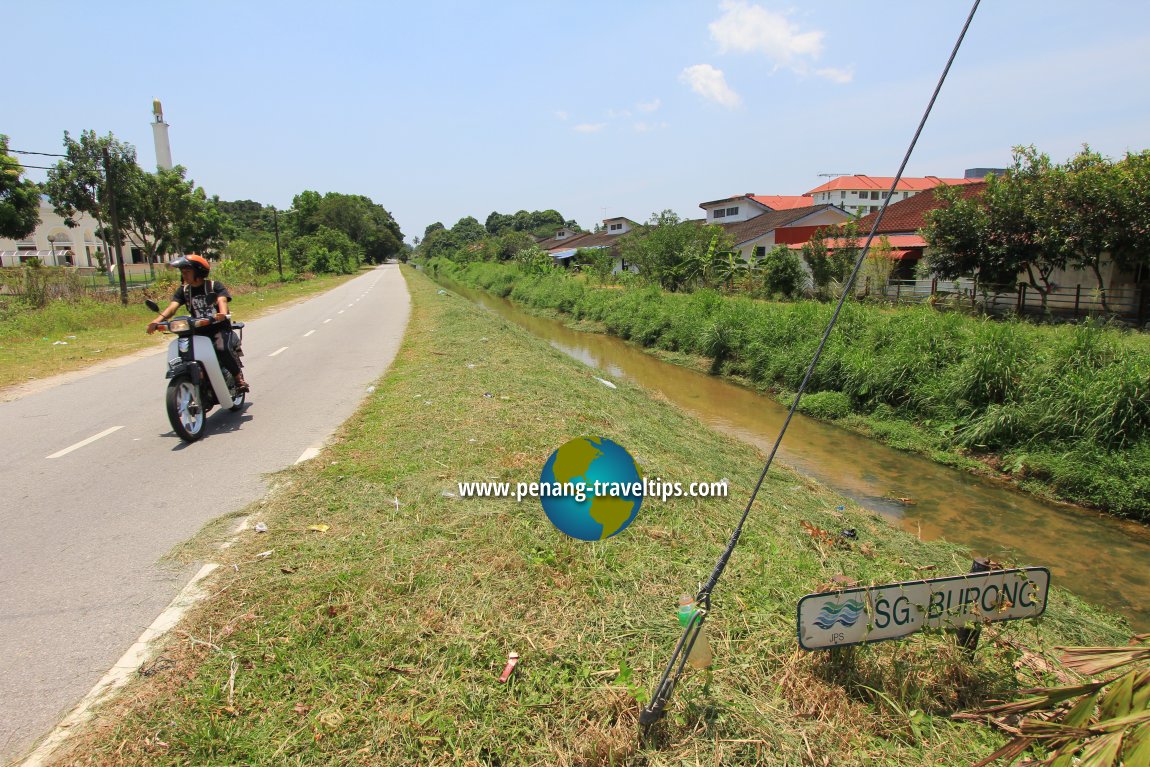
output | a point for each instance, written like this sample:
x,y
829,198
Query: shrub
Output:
x,y
827,405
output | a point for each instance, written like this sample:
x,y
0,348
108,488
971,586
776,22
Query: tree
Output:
x,y
155,206
783,272
76,185
468,230
817,255
671,252
19,198
326,250
879,265
498,223
1010,230
370,226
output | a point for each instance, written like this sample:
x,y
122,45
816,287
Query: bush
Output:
x,y
826,405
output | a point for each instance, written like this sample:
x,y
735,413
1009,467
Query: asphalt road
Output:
x,y
84,522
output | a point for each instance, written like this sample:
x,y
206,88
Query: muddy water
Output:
x,y
1104,560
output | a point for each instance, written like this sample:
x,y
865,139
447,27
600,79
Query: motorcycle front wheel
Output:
x,y
185,411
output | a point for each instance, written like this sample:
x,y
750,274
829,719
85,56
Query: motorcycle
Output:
x,y
196,380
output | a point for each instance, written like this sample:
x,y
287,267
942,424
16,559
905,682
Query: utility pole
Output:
x,y
279,261
115,227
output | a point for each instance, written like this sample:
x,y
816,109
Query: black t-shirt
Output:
x,y
201,301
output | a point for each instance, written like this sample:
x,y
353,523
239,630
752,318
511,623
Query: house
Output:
x,y
902,225
754,236
566,242
731,210
860,194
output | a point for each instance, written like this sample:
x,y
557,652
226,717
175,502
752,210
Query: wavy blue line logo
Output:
x,y
846,613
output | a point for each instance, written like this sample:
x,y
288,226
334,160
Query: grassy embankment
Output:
x,y
379,640
68,335
1064,411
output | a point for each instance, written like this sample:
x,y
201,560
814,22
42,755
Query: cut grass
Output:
x,y
380,640
67,336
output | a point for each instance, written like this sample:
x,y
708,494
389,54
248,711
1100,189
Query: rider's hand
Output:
x,y
153,327
220,317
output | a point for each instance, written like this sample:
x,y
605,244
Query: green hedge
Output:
x,y
1073,399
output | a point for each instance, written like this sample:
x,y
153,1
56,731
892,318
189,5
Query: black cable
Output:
x,y
45,154
662,692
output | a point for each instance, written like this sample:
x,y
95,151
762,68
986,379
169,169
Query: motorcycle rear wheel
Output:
x,y
185,409
238,397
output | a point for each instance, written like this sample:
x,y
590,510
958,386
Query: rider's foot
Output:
x,y
241,384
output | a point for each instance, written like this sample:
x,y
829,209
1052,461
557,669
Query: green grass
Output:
x,y
379,641
69,335
977,390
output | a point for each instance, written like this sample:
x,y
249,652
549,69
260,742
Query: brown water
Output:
x,y
1104,560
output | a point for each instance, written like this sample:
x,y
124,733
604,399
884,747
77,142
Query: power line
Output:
x,y
45,154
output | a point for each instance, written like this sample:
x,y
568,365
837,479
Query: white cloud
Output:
x,y
561,114
589,127
710,83
648,106
617,114
646,127
746,28
837,75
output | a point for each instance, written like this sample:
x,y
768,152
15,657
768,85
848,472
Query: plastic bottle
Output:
x,y
700,655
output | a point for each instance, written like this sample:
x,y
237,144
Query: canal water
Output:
x,y
1102,559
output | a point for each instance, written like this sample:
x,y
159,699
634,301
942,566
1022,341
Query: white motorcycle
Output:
x,y
197,381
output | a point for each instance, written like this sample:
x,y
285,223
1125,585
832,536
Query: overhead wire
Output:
x,y
666,685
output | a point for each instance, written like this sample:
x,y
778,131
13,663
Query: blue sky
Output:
x,y
438,110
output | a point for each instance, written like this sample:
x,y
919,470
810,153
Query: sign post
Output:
x,y
874,614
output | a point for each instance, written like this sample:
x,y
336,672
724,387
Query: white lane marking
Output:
x,y
308,454
126,667
327,321
305,335
88,441
351,304
340,311
280,350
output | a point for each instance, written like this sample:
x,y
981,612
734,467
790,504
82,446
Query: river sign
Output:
x,y
873,614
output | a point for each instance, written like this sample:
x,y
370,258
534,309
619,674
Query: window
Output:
x,y
616,226
733,211
885,195
874,195
842,195
720,212
760,251
874,209
905,195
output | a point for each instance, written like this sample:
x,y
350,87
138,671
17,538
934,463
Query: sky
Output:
x,y
439,110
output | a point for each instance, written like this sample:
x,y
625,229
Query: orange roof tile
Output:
x,y
783,201
905,183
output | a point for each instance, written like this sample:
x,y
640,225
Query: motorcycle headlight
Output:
x,y
179,326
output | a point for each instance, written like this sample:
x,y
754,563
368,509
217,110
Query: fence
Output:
x,y
1128,305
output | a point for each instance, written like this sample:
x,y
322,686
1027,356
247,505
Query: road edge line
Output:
x,y
124,668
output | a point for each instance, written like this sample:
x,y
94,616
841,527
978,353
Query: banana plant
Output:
x,y
1093,724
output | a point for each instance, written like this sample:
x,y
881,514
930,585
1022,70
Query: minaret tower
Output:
x,y
160,133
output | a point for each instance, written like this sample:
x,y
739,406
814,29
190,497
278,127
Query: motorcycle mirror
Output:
x,y
152,305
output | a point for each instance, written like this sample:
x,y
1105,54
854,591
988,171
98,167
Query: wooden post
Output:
x,y
1077,298
967,636
1021,298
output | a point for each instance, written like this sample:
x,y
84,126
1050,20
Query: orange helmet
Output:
x,y
195,262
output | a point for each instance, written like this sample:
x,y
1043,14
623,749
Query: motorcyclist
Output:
x,y
205,299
